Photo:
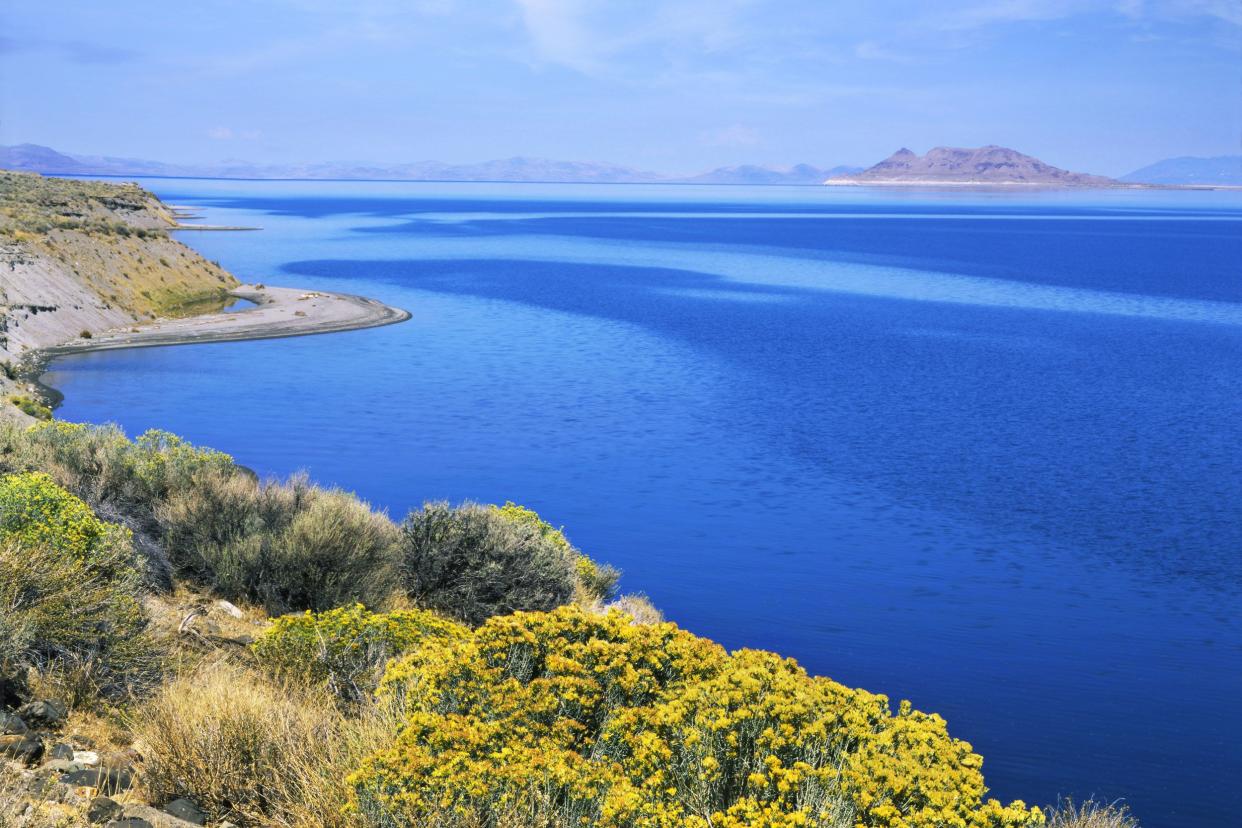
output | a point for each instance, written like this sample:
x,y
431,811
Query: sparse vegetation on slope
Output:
x,y
288,546
33,204
293,546
1091,814
486,684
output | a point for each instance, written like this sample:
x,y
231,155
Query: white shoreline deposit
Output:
x,y
278,312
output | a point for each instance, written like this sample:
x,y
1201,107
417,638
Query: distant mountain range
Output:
x,y
990,165
750,174
36,158
1223,169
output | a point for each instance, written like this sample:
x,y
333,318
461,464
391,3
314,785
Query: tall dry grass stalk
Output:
x,y
1090,814
252,751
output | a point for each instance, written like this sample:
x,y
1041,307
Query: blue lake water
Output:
x,y
981,451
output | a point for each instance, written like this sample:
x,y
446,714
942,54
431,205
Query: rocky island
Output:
x,y
956,166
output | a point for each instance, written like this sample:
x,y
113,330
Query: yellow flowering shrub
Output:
x,y
569,718
345,649
35,512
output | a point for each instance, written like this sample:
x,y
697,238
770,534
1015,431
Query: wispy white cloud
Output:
x,y
1228,11
591,36
871,50
734,135
75,51
561,32
224,133
977,15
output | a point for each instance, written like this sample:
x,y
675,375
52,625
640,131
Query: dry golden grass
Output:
x,y
1090,814
638,607
252,751
104,732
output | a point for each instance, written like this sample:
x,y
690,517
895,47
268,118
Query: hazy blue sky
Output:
x,y
672,86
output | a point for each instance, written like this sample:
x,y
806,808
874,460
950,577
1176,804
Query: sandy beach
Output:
x,y
278,312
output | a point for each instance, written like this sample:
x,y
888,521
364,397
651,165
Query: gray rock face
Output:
x,y
60,766
186,810
102,809
107,782
146,815
11,723
43,713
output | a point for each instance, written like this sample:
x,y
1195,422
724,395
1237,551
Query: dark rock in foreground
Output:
x,y
21,747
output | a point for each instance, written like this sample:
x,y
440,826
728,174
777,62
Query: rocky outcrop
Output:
x,y
990,165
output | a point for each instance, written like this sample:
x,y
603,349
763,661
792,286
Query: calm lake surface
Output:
x,y
979,451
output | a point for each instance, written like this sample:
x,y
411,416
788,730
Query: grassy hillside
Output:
x,y
111,240
114,237
81,257
189,640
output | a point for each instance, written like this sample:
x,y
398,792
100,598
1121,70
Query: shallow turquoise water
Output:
x,y
979,451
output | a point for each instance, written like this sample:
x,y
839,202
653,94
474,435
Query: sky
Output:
x,y
675,86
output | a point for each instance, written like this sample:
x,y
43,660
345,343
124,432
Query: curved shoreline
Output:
x,y
278,313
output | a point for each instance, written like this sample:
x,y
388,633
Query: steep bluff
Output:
x,y
81,257
88,256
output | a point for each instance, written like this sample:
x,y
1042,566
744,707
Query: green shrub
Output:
x,y
84,459
69,592
99,464
32,407
125,481
594,582
165,464
473,562
287,546
345,649
221,509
